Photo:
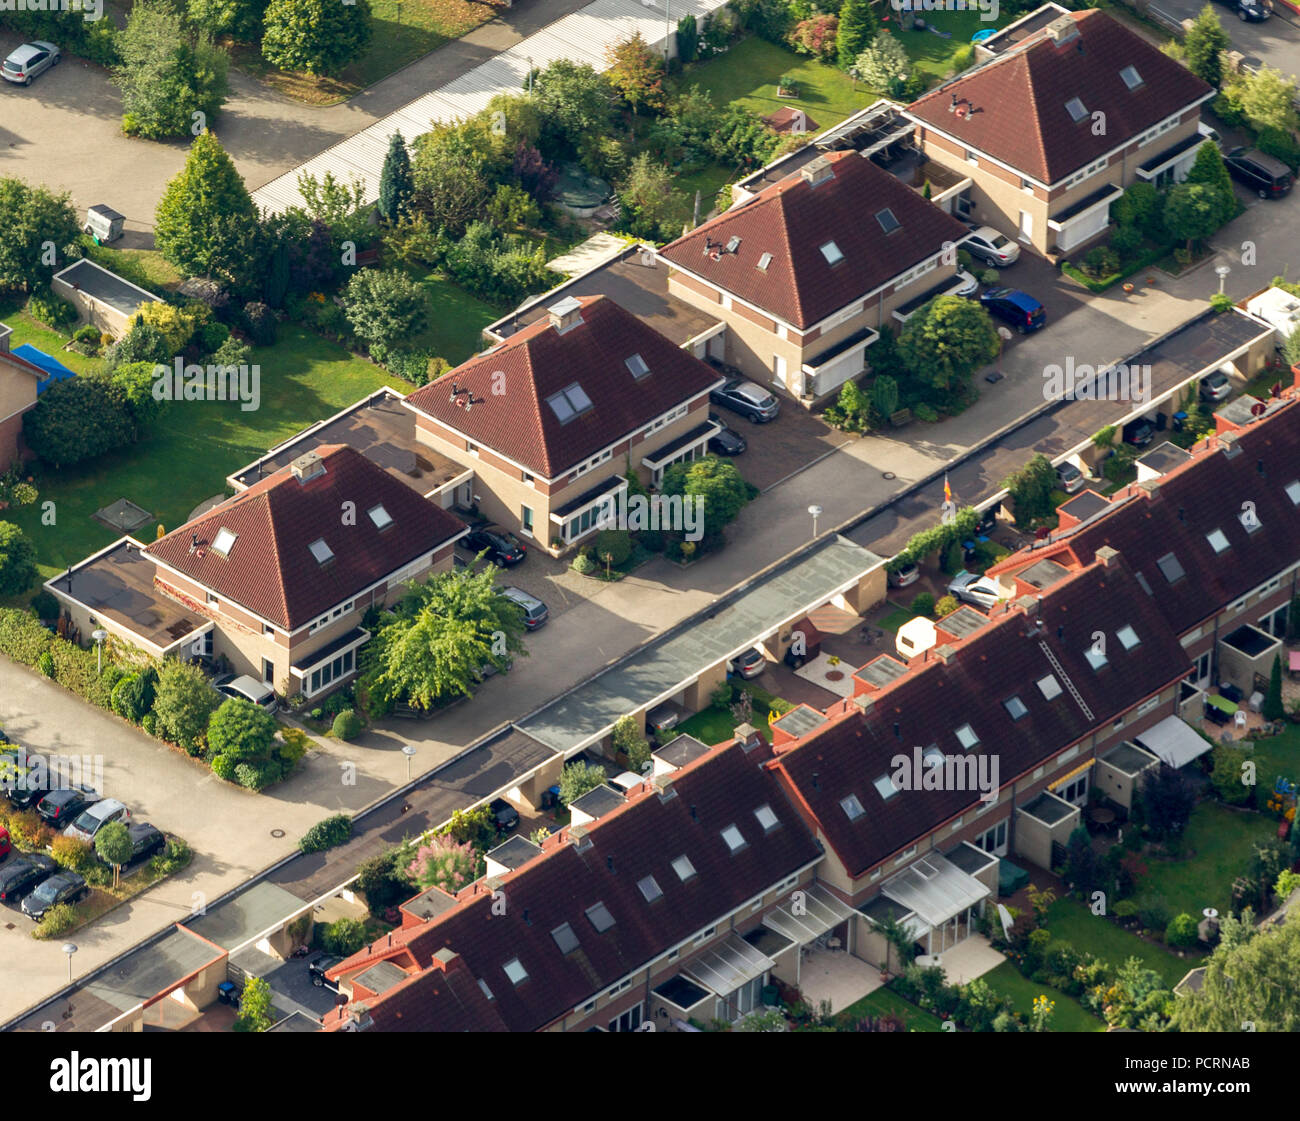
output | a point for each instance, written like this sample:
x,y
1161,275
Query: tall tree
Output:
x,y
17,561
1268,100
651,207
857,28
1205,43
36,221
240,19
183,702
637,73
1193,211
256,1010
948,340
716,482
385,306
884,65
1273,709
315,36
1209,169
205,221
395,182
576,102
113,846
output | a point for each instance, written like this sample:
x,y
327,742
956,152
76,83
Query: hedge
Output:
x,y
327,834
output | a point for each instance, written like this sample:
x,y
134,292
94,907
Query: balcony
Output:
x,y
829,370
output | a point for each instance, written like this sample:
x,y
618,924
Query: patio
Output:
x,y
970,958
836,976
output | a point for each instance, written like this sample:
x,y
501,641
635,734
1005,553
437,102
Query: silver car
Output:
x,y
29,60
986,244
970,587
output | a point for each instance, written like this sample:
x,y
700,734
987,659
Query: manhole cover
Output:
x,y
889,475
9,926
277,832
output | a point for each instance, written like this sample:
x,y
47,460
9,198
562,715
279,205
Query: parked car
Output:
x,y
1018,308
66,887
908,574
988,521
319,966
1215,386
971,587
662,719
146,840
1250,11
503,547
966,285
23,873
504,814
1070,477
748,399
61,806
87,824
536,612
1268,177
29,60
749,664
1139,433
987,245
249,689
726,441
24,791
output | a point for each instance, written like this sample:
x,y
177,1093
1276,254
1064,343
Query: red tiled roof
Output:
x,y
1198,497
512,383
1017,103
634,841
270,568
846,755
793,219
784,118
433,1000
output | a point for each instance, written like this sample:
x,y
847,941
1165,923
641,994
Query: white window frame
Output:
x,y
591,464
1098,165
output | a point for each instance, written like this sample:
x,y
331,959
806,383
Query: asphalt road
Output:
x,y
1276,41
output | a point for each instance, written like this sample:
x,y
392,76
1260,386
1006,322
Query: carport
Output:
x,y
1173,742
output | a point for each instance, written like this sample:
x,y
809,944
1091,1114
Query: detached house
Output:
x,y
1052,130
806,272
554,418
275,579
19,383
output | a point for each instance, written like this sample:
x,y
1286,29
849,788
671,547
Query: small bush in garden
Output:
x,y
318,713
1126,241
925,413
45,663
174,857
75,855
149,722
347,725
616,542
86,334
384,882
1154,915
1125,909
223,766
946,606
59,919
45,605
212,336
990,278
342,937
334,704
327,834
1181,931
583,565
50,309
257,776
260,322
923,604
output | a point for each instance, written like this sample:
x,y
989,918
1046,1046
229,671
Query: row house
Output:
x,y
806,272
1053,130
275,580
554,419
19,384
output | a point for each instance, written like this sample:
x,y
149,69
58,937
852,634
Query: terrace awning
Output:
x,y
722,969
934,889
810,917
1173,742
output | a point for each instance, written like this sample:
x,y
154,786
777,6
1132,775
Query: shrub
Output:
x,y
1100,261
21,636
384,881
583,565
1181,931
617,543
1126,241
1125,909
816,37
28,831
50,309
327,834
73,854
946,606
149,722
87,334
259,320
132,697
923,604
45,605
59,919
1154,915
232,353
45,663
342,937
212,336
347,725
223,766
258,775
925,413
173,857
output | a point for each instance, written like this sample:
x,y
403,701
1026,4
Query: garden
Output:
x,y
731,704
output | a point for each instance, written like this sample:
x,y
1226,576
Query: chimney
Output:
x,y
565,315
307,467
1062,30
945,654
1107,557
444,959
817,171
865,703
664,785
5,332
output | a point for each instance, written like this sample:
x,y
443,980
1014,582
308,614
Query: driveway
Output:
x,y
1276,41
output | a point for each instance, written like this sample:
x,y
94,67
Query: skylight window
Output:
x,y
764,261
1131,77
1076,110
1173,571
380,516
1249,519
1049,687
1293,492
852,807
224,542
599,917
1015,707
966,736
515,971
733,244
1128,637
832,253
565,939
637,365
570,402
322,552
885,787
887,221
683,867
1218,540
1095,657
650,889
734,837
766,818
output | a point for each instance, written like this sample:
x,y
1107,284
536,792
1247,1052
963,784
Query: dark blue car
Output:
x,y
1018,308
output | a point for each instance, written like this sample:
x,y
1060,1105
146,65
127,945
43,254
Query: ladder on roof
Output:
x,y
1065,680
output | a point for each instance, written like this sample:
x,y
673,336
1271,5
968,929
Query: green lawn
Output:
x,y
1070,921
713,725
708,181
932,54
304,379
884,1001
456,326
1222,841
1276,756
894,618
1070,1014
142,267
31,331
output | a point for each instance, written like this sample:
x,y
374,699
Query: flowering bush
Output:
x,y
444,863
816,37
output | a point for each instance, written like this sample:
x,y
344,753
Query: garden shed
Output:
x,y
101,297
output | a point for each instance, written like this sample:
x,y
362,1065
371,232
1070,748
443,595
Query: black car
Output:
x,y
61,807
748,399
146,840
319,966
1018,308
504,814
1268,177
726,441
503,547
23,873
1250,11
1139,433
66,887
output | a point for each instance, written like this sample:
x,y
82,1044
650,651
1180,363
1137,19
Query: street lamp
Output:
x,y
816,512
409,752
99,637
1222,272
69,948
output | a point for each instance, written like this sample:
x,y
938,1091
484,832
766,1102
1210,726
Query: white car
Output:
x,y
95,816
29,60
970,587
986,244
